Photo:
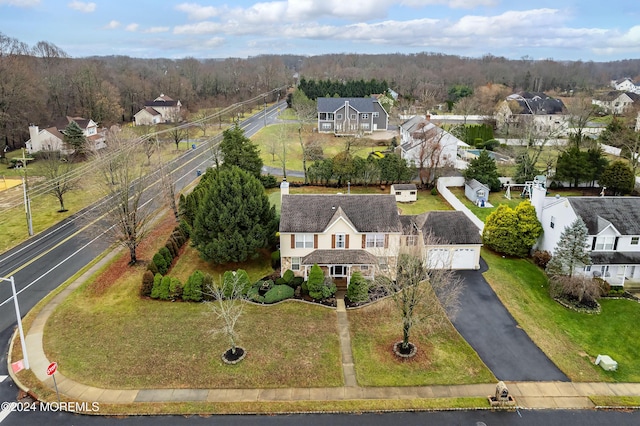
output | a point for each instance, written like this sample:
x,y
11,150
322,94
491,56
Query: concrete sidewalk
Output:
x,y
526,394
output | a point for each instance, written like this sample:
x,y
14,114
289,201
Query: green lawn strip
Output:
x,y
572,340
152,344
616,401
443,357
426,202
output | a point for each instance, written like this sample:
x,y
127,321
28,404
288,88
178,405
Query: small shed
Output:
x,y
477,192
405,192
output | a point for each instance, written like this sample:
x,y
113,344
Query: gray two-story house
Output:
x,y
351,116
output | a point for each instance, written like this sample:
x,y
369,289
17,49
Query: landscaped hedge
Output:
x,y
278,293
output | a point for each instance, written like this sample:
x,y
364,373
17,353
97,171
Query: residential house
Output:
x,y
477,192
162,109
617,102
625,85
351,116
404,192
347,233
52,137
532,109
613,224
421,141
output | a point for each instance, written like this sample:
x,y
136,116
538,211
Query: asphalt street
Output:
x,y
490,329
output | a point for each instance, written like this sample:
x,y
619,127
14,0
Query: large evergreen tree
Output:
x,y
238,150
618,178
573,166
571,250
234,218
483,169
74,138
512,232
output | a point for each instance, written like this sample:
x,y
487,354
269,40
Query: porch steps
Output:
x,y
632,286
341,284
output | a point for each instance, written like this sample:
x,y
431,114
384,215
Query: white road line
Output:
x,y
3,378
4,413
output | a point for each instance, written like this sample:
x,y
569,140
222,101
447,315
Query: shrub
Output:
x,y
280,281
541,258
304,287
278,293
207,285
358,290
175,289
239,278
315,282
296,281
177,238
168,258
165,288
155,290
288,276
161,263
434,191
152,267
328,288
192,290
172,249
268,181
254,293
147,283
582,288
185,228
275,259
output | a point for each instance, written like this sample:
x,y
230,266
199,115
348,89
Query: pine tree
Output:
x,y
483,169
238,150
618,178
571,250
234,219
74,138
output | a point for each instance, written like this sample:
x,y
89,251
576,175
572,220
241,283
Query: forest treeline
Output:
x,y
41,84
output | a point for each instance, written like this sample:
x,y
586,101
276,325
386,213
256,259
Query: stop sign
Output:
x,y
52,368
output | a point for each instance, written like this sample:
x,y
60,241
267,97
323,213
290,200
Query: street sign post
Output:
x,y
51,371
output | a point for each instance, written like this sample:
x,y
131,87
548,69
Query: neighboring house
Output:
x,y
347,233
614,231
525,109
477,192
617,102
52,138
421,141
404,192
625,85
167,109
351,116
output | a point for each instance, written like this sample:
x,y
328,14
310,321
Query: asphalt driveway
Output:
x,y
491,330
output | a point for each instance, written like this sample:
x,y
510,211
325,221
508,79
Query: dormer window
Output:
x,y
605,243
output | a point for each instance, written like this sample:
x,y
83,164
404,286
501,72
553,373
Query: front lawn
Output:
x,y
572,340
443,357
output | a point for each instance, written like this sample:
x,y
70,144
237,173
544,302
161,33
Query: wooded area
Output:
x,y
41,84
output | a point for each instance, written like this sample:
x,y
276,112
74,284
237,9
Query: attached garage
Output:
x,y
465,258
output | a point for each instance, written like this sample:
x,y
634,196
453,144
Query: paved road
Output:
x,y
491,330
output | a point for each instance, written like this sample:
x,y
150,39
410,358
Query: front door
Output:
x,y
338,271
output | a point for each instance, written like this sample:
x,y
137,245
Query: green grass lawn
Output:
x,y
572,340
443,355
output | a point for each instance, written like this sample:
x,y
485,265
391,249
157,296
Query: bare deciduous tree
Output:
x,y
58,171
122,181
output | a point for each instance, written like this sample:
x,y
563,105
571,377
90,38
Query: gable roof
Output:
x,y
623,213
350,257
148,110
334,104
537,103
475,185
312,213
446,227
404,186
162,101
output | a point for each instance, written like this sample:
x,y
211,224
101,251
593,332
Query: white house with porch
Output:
x,y
614,232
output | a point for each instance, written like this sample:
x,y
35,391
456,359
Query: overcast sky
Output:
x,y
585,30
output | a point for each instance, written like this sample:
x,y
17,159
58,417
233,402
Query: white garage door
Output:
x,y
438,258
463,258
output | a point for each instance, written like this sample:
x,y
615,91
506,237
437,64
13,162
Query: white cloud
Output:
x,y
131,27
157,30
20,3
82,6
197,12
214,42
112,25
454,4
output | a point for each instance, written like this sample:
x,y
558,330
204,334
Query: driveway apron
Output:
x,y
490,329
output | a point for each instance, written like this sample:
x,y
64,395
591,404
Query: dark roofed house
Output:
x,y
525,109
162,109
351,116
347,233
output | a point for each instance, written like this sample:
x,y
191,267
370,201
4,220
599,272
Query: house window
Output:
x,y
587,268
295,263
553,222
340,241
605,243
326,126
365,126
323,116
382,263
398,193
339,116
329,116
635,241
365,116
412,192
304,240
364,267
375,240
604,269
353,116
412,240
376,114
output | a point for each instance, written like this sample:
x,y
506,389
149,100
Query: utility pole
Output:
x,y
265,111
19,319
27,200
